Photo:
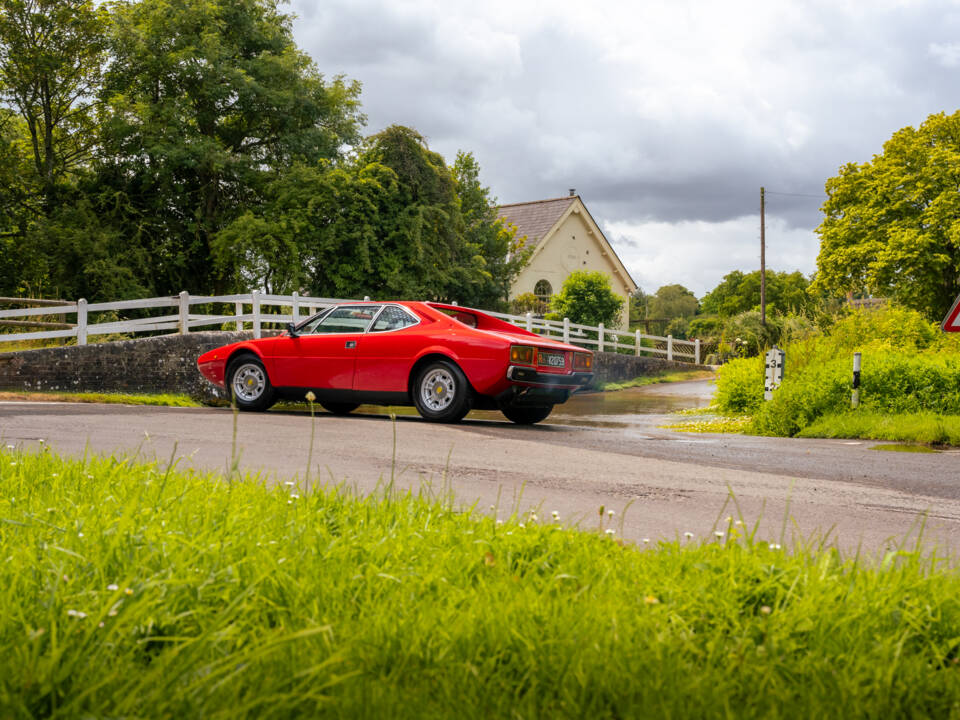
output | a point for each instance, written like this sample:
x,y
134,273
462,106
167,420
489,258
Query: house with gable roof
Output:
x,y
564,237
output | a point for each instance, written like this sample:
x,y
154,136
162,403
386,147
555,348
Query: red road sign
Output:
x,y
951,323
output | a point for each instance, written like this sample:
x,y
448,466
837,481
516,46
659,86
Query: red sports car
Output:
x,y
444,359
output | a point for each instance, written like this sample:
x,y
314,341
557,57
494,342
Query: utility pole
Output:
x,y
763,262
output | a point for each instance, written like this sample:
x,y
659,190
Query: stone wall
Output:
x,y
168,364
615,367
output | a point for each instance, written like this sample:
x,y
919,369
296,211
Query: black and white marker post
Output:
x,y
855,398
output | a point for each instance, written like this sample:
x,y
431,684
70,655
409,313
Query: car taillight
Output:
x,y
523,354
582,361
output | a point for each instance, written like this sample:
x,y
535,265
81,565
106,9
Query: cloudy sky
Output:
x,y
667,116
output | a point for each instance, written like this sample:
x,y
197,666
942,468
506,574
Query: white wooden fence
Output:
x,y
265,309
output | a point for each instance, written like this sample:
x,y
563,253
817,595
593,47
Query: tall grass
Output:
x,y
134,590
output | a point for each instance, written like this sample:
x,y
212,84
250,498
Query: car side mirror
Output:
x,y
292,330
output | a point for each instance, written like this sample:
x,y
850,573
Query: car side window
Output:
x,y
346,320
393,318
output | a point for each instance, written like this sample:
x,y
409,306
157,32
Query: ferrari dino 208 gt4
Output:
x,y
444,359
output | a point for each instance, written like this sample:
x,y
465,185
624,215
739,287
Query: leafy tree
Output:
x,y
740,292
208,102
502,255
639,306
318,230
51,56
673,301
587,298
892,225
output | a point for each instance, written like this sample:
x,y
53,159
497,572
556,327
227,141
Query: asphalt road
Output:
x,y
659,483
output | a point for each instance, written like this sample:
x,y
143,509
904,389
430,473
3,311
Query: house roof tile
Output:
x,y
534,219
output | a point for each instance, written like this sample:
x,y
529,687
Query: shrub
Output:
x,y
908,366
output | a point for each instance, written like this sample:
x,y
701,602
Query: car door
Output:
x,y
324,354
385,353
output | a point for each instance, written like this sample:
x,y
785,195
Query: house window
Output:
x,y
543,291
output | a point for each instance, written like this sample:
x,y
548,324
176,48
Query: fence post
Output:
x,y
566,330
529,322
255,298
184,312
636,343
366,298
600,337
81,322
696,351
669,347
295,310
238,311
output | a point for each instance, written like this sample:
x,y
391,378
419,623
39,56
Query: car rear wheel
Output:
x,y
441,392
526,415
339,408
249,385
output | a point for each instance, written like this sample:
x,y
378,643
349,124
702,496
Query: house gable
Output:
x,y
573,241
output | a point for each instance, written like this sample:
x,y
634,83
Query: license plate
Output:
x,y
551,359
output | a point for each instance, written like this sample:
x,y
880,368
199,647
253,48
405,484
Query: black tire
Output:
x,y
339,408
441,392
526,415
248,384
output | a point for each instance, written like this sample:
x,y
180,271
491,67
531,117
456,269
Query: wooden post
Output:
x,y
600,337
566,330
529,322
81,322
238,311
763,261
636,342
295,310
184,312
255,297
669,347
696,351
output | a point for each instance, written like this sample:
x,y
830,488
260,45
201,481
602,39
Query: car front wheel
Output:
x,y
441,392
526,415
249,385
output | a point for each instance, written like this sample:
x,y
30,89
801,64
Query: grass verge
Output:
x,y
923,427
661,377
160,399
134,590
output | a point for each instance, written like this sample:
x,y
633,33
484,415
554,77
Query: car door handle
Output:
x,y
351,344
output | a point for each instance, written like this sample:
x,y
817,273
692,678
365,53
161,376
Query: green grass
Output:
x,y
735,425
159,399
661,377
923,427
129,590
905,448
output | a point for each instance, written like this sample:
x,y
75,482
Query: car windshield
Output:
x,y
348,319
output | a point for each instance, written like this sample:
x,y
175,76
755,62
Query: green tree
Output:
x,y
639,306
740,292
502,255
587,298
51,56
208,102
892,225
673,301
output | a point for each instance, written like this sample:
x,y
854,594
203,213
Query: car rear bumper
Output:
x,y
530,376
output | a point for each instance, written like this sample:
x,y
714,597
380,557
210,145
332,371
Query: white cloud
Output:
x,y
698,254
